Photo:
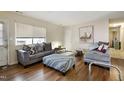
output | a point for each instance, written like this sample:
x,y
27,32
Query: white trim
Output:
x,y
6,28
13,63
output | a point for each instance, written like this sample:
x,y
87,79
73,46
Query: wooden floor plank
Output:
x,y
37,72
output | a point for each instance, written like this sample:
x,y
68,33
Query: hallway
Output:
x,y
115,53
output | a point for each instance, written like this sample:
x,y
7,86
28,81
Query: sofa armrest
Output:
x,y
23,56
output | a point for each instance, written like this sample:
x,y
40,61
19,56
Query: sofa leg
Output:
x,y
25,67
85,63
107,68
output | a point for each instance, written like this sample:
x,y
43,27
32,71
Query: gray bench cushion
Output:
x,y
59,62
98,56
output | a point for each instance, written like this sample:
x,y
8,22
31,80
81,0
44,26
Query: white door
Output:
x,y
3,45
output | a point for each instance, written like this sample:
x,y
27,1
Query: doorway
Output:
x,y
3,44
116,39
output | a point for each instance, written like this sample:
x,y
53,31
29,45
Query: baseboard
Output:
x,y
13,63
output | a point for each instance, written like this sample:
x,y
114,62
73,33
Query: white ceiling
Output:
x,y
66,18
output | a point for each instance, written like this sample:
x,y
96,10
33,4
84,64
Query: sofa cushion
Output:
x,y
97,56
32,57
44,53
48,53
41,54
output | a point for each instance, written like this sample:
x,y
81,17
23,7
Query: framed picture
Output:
x,y
86,34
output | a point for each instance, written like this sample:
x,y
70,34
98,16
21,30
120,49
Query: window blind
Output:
x,y
25,30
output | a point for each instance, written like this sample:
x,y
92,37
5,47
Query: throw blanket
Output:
x,y
59,62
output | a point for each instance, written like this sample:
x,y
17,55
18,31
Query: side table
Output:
x,y
79,53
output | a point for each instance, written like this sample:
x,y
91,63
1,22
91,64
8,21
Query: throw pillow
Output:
x,y
35,50
105,47
26,48
39,47
32,51
100,47
47,47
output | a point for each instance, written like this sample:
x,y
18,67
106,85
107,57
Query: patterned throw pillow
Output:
x,y
105,48
26,48
35,50
100,47
30,50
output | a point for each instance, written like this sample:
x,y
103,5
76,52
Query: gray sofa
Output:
x,y
25,58
95,56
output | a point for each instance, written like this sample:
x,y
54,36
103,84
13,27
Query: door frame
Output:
x,y
6,28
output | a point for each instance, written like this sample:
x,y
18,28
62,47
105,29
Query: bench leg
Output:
x,y
63,74
74,66
44,65
25,67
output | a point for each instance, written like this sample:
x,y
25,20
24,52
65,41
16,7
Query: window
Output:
x,y
38,40
23,40
29,40
1,34
28,34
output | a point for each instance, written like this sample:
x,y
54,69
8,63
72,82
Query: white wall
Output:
x,y
101,33
54,32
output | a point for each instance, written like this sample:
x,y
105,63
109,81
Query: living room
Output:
x,y
64,31
65,46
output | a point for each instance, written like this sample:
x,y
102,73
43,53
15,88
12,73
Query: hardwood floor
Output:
x,y
38,72
115,53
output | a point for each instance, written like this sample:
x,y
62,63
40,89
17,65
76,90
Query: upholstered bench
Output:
x,y
59,62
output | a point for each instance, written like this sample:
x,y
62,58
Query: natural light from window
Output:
x,y
28,40
1,34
